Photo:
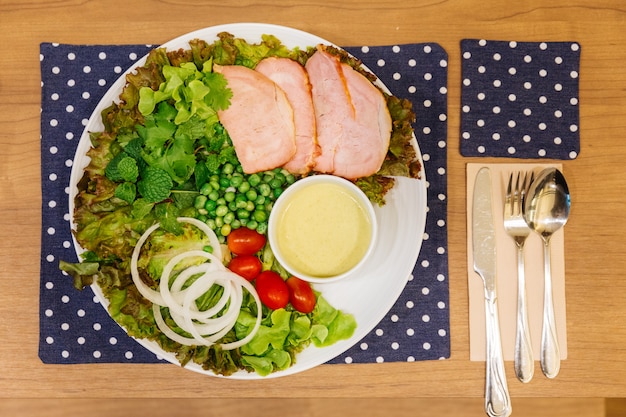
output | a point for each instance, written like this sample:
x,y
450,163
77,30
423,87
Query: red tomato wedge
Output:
x,y
244,241
301,295
247,266
272,290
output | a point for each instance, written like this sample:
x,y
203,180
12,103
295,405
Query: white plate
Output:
x,y
368,296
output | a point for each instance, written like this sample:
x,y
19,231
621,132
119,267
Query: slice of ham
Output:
x,y
259,120
293,79
353,122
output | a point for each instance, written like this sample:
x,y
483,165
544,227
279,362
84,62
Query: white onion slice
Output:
x,y
208,326
215,244
164,287
146,291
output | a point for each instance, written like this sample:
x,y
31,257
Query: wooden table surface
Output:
x,y
595,234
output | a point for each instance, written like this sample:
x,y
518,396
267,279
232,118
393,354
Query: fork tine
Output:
x,y
526,187
508,208
516,195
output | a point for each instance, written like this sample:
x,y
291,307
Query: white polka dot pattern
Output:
x,y
74,328
520,99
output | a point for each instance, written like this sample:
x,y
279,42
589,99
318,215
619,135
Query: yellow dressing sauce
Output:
x,y
323,230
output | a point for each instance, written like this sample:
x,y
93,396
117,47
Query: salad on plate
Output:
x,y
171,211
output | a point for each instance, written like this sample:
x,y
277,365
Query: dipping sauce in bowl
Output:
x,y
322,228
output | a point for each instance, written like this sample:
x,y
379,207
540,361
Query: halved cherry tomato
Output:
x,y
272,290
301,295
248,266
244,241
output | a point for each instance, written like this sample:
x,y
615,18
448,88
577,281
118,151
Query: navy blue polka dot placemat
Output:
x,y
520,99
74,328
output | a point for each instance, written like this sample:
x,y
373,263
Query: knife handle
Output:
x,y
497,399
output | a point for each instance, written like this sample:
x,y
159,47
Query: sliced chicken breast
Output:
x,y
293,79
363,147
353,122
259,120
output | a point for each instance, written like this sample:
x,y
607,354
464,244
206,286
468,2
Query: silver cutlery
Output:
x,y
546,210
516,227
497,399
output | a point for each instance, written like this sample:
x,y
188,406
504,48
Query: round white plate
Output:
x,y
368,295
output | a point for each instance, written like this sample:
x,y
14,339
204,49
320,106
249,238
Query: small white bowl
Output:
x,y
322,228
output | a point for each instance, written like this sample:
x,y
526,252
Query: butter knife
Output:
x,y
497,399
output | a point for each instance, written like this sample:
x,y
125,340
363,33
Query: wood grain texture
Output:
x,y
310,407
594,246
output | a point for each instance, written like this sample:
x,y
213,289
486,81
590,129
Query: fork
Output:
x,y
516,227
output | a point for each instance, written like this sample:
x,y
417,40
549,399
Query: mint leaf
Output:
x,y
155,185
127,169
126,191
111,171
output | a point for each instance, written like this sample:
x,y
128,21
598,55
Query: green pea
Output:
x,y
228,168
229,217
262,227
277,192
241,202
224,182
210,205
254,180
229,196
260,200
251,194
214,195
264,189
243,214
275,183
259,215
244,187
221,211
236,224
252,224
206,188
236,180
219,222
199,201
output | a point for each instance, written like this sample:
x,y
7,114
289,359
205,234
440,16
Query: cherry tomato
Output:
x,y
248,266
301,295
244,241
272,290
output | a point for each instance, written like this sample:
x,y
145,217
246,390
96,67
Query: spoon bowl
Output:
x,y
546,210
548,206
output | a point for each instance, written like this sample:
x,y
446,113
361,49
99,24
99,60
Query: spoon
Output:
x,y
546,211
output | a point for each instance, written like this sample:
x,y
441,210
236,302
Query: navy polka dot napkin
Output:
x,y
74,328
520,99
